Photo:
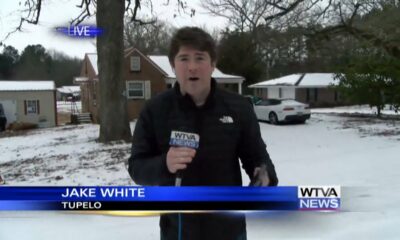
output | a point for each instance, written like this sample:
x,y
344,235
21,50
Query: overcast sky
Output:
x,y
59,13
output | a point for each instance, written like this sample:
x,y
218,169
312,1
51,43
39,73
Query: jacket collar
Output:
x,y
187,102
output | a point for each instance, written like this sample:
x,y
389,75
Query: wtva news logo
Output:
x,y
184,139
319,198
80,31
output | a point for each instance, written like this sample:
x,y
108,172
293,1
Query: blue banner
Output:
x,y
156,198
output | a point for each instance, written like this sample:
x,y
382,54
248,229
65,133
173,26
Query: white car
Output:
x,y
282,110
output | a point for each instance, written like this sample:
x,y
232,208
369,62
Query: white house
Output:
x,y
312,88
29,102
68,91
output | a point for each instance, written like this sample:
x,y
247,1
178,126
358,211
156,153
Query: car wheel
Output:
x,y
273,119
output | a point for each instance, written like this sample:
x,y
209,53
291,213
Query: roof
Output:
x,y
318,79
304,80
69,89
163,63
27,85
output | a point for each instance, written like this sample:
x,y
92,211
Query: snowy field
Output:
x,y
357,109
360,154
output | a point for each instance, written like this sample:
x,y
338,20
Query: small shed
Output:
x,y
29,102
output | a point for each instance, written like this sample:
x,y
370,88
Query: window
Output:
x,y
135,63
135,89
32,107
138,89
312,94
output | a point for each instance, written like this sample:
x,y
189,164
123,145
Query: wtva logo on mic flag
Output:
x,y
184,139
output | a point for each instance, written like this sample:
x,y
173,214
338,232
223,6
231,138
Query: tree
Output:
x,y
114,124
63,68
245,61
372,22
371,79
148,38
114,121
247,15
8,60
34,63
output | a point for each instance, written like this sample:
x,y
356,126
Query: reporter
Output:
x,y
228,131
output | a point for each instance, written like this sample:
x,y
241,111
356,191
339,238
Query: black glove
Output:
x,y
262,177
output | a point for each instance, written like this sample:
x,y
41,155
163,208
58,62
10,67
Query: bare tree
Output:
x,y
148,38
358,19
247,15
114,124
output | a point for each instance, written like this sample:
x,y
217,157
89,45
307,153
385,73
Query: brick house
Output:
x,y
312,88
145,77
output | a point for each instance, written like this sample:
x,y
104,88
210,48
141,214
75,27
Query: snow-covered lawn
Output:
x,y
360,109
360,154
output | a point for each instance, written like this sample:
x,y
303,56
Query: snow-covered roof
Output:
x,y
289,80
318,79
300,80
27,85
69,89
163,63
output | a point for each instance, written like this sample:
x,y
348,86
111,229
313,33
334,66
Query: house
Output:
x,y
29,102
145,77
312,88
65,93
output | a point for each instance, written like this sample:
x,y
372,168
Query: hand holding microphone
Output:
x,y
179,157
181,153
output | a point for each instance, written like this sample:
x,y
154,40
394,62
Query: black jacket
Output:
x,y
228,130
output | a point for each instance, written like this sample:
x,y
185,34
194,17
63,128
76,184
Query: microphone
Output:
x,y
183,139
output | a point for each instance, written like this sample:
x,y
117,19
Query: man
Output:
x,y
227,128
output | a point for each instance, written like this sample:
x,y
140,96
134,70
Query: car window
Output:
x,y
264,103
275,101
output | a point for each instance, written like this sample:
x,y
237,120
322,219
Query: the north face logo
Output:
x,y
226,119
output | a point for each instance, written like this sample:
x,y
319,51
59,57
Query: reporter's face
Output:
x,y
193,69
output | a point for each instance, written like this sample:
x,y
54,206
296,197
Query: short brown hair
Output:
x,y
192,37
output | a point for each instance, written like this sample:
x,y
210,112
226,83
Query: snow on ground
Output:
x,y
361,109
360,154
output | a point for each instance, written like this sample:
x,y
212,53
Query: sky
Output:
x,y
359,154
59,13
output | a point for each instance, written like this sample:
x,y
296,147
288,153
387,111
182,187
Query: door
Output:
x,y
10,110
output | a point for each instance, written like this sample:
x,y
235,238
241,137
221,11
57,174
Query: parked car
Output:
x,y
3,119
282,110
